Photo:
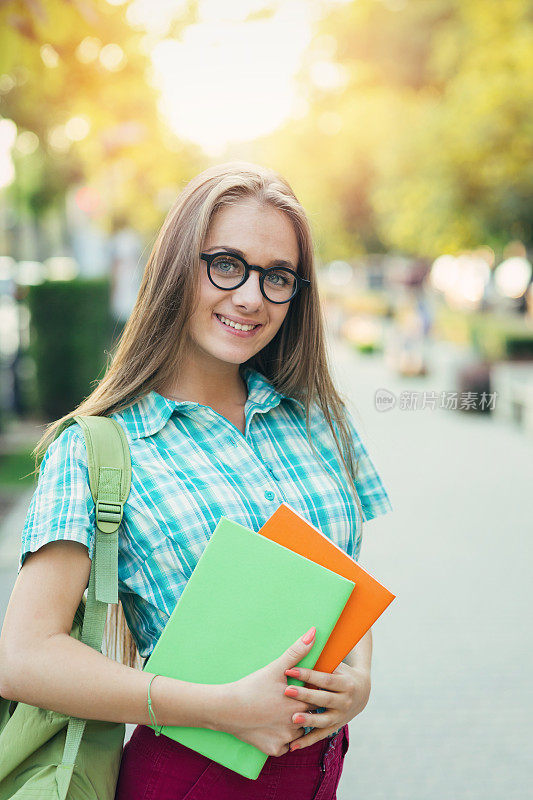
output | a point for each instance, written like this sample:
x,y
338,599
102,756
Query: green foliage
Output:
x,y
16,469
70,329
128,154
426,145
423,145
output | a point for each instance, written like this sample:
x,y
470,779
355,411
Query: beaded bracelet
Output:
x,y
150,709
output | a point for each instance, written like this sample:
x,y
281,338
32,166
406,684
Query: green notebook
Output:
x,y
243,583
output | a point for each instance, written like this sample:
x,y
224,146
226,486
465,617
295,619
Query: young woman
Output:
x,y
220,381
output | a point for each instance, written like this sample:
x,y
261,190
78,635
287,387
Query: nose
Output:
x,y
249,294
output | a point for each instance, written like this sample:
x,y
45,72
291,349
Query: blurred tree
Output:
x,y
417,126
76,74
466,175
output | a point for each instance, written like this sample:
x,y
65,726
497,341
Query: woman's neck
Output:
x,y
208,387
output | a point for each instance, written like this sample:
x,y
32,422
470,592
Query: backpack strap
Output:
x,y
110,480
109,464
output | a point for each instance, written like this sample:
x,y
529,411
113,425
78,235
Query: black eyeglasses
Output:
x,y
228,271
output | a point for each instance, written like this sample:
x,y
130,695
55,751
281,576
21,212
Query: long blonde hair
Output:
x,y
150,350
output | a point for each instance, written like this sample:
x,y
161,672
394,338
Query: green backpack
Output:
x,y
51,756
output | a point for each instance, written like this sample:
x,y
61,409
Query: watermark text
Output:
x,y
385,400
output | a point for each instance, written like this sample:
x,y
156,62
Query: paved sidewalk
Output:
x,y
450,712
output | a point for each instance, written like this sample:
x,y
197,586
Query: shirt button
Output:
x,y
270,495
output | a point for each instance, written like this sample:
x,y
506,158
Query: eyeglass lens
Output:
x,y
227,272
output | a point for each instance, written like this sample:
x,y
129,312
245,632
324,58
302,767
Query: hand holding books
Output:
x,y
342,694
240,610
263,729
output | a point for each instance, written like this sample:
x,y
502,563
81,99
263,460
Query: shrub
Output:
x,y
70,328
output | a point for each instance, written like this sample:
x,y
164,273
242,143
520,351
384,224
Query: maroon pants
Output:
x,y
158,768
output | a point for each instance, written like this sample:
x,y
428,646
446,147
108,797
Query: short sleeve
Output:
x,y
374,496
62,506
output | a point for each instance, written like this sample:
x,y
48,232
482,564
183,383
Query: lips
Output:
x,y
238,321
236,331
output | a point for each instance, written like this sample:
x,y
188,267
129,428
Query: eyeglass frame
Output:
x,y
263,271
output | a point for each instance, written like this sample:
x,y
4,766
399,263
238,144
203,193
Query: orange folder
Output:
x,y
366,603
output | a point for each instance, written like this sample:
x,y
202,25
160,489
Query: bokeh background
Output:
x,y
406,130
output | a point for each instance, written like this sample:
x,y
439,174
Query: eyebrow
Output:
x,y
278,262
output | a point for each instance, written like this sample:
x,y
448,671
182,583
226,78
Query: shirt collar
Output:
x,y
150,413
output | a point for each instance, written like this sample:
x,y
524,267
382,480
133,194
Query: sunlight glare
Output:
x,y
227,80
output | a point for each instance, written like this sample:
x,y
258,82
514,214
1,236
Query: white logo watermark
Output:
x,y
384,400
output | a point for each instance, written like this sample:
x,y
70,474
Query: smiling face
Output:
x,y
265,236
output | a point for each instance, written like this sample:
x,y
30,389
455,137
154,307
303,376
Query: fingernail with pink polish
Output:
x,y
308,637
291,691
292,672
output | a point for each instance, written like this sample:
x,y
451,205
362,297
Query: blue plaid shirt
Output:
x,y
190,466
